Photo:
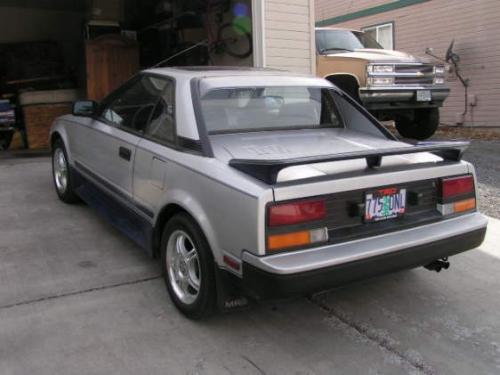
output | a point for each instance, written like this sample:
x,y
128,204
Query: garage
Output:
x,y
53,52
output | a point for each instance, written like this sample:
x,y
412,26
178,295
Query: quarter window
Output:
x,y
162,125
383,34
132,108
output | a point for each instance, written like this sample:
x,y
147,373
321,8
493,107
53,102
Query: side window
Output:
x,y
162,125
133,107
383,34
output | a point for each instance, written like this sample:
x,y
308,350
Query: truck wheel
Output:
x,y
188,267
424,124
61,174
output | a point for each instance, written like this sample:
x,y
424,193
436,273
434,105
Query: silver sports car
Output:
x,y
252,184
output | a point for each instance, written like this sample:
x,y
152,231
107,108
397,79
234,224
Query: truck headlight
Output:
x,y
380,81
439,70
439,81
380,69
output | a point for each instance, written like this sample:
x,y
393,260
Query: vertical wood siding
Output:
x,y
474,25
289,35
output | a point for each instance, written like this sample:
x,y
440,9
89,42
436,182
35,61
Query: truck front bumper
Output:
x,y
302,272
401,97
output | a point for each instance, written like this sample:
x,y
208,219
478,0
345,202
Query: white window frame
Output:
x,y
377,27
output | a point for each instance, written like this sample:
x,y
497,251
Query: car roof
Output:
x,y
222,71
337,28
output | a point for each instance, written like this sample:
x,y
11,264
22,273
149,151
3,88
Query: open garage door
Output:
x,y
55,51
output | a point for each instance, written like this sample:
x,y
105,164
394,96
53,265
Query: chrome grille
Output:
x,y
414,68
414,80
414,74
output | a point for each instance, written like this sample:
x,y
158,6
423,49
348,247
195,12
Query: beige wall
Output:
x,y
474,25
288,35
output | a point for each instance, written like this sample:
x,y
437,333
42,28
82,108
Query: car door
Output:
x,y
112,137
152,156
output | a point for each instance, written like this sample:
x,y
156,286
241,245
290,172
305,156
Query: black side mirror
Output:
x,y
84,108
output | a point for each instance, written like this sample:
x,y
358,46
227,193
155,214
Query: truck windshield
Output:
x,y
232,110
331,41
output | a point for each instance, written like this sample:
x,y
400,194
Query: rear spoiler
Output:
x,y
267,170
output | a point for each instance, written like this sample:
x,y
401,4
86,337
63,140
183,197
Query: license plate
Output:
x,y
385,204
423,96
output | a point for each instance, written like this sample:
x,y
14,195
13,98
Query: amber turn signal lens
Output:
x,y
466,205
283,241
296,239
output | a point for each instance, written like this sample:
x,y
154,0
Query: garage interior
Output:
x,y
53,52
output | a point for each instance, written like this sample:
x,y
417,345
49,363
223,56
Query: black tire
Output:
x,y
204,303
67,194
5,140
423,125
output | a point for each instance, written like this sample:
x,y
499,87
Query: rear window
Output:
x,y
228,110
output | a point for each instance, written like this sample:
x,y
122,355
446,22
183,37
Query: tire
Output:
x,y
424,124
5,140
61,174
189,277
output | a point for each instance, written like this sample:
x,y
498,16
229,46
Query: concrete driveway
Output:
x,y
77,297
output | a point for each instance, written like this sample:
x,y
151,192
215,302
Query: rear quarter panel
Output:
x,y
229,207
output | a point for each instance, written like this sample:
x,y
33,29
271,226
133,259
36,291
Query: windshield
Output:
x,y
331,41
230,110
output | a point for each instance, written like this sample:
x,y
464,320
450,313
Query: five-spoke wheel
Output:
x,y
188,267
183,266
61,174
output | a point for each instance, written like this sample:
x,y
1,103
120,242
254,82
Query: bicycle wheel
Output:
x,y
235,40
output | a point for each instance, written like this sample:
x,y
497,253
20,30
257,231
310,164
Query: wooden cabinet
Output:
x,y
110,60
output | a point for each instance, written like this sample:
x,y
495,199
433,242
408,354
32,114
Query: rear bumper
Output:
x,y
299,273
393,97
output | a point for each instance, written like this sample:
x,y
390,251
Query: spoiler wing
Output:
x,y
268,170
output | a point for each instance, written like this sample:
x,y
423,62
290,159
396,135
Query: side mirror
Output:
x,y
84,108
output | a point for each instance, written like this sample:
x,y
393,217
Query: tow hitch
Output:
x,y
438,265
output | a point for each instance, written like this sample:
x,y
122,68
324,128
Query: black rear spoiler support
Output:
x,y
268,170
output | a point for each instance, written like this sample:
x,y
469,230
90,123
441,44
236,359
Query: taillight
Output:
x,y
299,212
296,239
296,212
455,186
457,195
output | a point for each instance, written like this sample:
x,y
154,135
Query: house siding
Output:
x,y
473,24
289,36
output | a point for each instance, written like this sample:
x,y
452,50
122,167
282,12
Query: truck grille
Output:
x,y
414,74
423,68
414,80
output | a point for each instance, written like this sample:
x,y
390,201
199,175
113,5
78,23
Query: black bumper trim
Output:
x,y
264,285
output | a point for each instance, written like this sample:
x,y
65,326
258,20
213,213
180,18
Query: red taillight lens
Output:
x,y
455,186
296,212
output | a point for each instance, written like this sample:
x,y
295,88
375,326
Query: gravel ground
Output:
x,y
485,155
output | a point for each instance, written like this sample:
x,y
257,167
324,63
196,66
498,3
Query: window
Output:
x,y
162,125
383,34
244,109
132,108
340,41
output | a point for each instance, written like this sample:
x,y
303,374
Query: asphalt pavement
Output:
x,y
77,297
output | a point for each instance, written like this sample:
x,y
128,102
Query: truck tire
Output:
x,y
188,267
423,125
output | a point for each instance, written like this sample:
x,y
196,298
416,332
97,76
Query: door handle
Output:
x,y
125,153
